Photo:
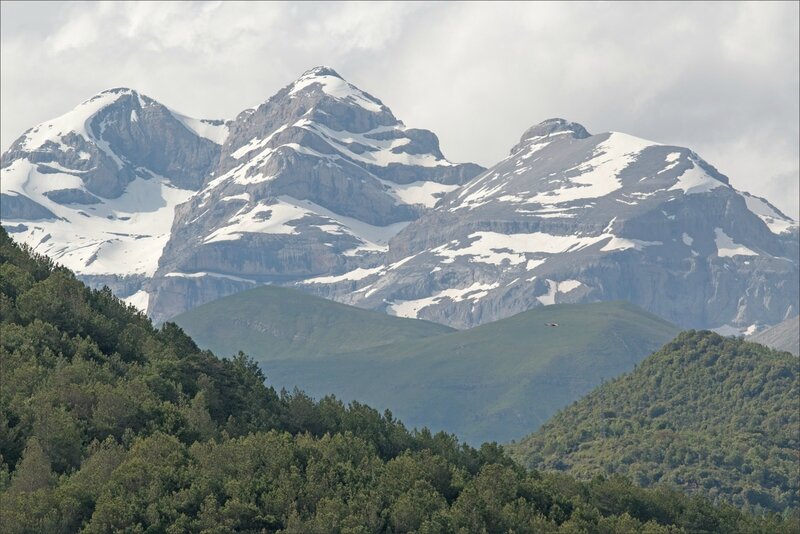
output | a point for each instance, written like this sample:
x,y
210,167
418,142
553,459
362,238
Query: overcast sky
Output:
x,y
722,79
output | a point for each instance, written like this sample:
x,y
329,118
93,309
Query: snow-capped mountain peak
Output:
x,y
96,188
573,217
77,121
322,174
320,71
322,186
330,83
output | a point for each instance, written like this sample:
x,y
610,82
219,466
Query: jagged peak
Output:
x,y
119,90
321,70
333,85
122,91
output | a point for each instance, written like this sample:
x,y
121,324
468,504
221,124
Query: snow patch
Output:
x,y
726,248
695,180
672,159
495,248
354,275
255,143
777,222
241,196
260,219
123,236
411,308
553,288
275,218
599,176
76,121
337,88
422,192
215,131
377,151
138,300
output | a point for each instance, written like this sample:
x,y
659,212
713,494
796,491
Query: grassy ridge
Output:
x,y
495,382
277,323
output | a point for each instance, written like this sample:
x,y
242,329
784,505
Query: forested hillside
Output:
x,y
715,416
107,424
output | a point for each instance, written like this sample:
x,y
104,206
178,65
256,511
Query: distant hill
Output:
x,y
712,415
273,323
494,382
782,336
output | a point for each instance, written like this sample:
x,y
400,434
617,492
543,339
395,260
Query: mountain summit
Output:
x,y
573,217
323,188
96,188
317,179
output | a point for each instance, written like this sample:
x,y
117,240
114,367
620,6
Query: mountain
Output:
x,y
711,415
111,425
322,188
277,323
495,382
782,336
128,192
574,217
96,189
315,180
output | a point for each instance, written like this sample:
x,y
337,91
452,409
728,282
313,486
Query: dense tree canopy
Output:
x,y
715,416
109,424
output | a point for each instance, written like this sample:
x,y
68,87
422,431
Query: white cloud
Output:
x,y
721,78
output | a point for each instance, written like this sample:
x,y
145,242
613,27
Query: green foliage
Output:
x,y
711,415
110,425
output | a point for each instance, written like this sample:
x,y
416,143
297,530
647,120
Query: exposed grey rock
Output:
x,y
573,217
322,187
114,137
21,207
72,196
15,228
782,336
313,181
122,286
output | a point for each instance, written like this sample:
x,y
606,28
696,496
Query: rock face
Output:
x,y
323,188
315,180
573,217
782,336
96,188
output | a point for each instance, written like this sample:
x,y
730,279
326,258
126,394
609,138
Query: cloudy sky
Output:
x,y
720,78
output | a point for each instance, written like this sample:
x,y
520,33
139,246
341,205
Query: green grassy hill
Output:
x,y
712,415
495,382
108,424
271,322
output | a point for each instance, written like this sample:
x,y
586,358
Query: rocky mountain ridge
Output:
x,y
317,179
572,217
96,189
323,188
